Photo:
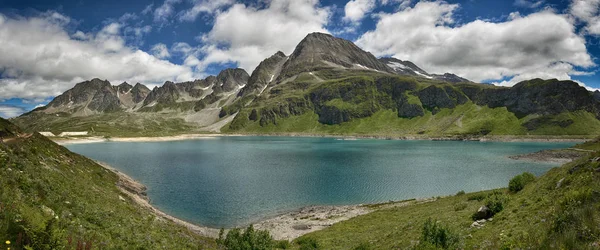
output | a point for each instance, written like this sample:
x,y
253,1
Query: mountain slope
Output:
x,y
402,106
408,68
51,198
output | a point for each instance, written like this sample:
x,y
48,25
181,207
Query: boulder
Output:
x,y
482,213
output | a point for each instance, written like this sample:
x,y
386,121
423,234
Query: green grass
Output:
x,y
51,198
121,124
544,215
467,119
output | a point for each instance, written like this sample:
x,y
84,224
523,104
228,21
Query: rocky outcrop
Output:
x,y
292,106
537,96
435,98
408,110
266,72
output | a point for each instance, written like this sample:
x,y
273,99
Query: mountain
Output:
x,y
327,85
408,68
319,51
52,198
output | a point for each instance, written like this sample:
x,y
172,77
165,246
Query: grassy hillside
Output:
x,y
369,103
559,210
51,198
108,124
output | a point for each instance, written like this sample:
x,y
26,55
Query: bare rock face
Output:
x,y
230,79
139,92
319,51
95,95
265,73
165,94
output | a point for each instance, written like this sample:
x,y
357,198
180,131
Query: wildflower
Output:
x,y
8,242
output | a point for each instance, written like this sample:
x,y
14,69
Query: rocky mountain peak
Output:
x,y
319,50
230,79
265,73
279,54
124,87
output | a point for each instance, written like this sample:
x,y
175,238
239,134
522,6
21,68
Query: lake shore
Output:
x,y
291,224
285,226
512,138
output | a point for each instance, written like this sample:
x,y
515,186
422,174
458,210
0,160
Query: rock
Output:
x,y
121,198
434,97
482,213
301,227
478,224
48,211
410,111
559,183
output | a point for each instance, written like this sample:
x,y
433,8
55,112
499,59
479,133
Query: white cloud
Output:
x,y
588,12
166,10
160,51
355,10
540,44
247,35
148,9
7,111
40,59
203,6
529,4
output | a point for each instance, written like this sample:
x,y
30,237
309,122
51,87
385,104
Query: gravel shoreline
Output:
x,y
93,139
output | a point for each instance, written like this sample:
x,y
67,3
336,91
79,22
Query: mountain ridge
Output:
x,y
325,76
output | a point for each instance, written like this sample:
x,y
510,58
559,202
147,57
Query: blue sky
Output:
x,y
49,46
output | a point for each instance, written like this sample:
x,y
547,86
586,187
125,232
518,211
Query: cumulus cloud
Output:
x,y
8,111
247,35
355,10
588,12
203,6
41,59
160,51
541,44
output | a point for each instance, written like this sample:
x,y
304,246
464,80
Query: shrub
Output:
x,y
437,235
461,192
308,243
460,206
477,197
282,244
496,202
249,240
363,246
519,182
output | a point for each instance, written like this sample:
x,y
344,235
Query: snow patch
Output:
x,y
423,75
397,65
272,76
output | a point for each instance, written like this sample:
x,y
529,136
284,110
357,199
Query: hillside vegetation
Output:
x,y
370,103
51,198
559,210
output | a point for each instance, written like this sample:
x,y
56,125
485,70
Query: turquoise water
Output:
x,y
233,181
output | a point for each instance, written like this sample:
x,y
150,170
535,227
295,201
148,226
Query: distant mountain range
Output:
x,y
326,81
